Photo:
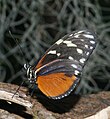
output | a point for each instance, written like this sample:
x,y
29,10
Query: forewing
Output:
x,y
77,45
59,69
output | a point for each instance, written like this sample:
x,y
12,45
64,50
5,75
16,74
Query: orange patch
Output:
x,y
55,84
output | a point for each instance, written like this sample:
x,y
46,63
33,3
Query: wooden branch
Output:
x,y
73,106
4,95
103,114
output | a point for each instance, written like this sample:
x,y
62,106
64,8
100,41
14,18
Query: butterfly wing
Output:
x,y
59,69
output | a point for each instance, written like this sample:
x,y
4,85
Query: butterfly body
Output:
x,y
58,72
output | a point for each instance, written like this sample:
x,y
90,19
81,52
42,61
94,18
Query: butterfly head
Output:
x,y
31,75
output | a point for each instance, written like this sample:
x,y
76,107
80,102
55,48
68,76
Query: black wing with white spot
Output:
x,y
65,59
76,46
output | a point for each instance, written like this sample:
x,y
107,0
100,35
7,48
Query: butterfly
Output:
x,y
58,72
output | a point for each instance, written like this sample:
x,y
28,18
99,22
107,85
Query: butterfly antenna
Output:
x,y
18,88
17,43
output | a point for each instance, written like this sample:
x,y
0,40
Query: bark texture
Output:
x,y
38,106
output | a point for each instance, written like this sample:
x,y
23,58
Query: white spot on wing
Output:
x,y
52,52
71,58
58,54
76,72
69,44
72,45
82,40
91,47
63,96
87,53
77,35
82,60
59,41
86,46
93,42
80,31
71,35
88,36
74,66
79,51
58,97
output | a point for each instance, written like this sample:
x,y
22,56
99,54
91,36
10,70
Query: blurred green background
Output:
x,y
37,24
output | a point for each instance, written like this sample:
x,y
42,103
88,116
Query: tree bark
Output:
x,y
23,106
